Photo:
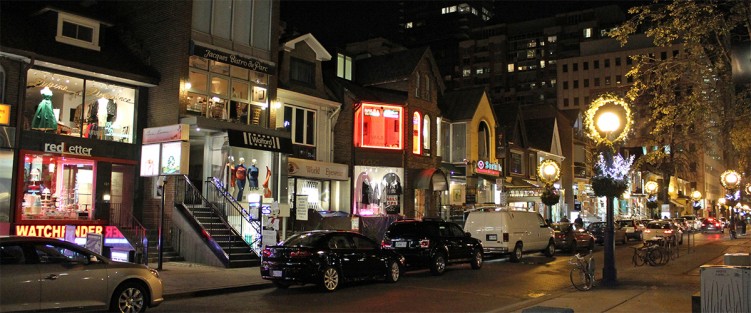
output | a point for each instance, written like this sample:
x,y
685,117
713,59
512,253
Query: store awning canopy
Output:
x,y
431,178
516,182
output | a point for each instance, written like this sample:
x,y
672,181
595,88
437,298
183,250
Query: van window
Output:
x,y
542,221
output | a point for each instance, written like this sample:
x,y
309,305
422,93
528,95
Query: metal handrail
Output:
x,y
237,216
187,194
131,229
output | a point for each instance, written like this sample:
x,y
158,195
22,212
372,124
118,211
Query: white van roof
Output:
x,y
498,209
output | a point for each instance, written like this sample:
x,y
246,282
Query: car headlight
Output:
x,y
154,272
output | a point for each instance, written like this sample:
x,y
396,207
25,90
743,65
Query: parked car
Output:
x,y
665,229
505,230
711,224
328,258
568,237
433,244
598,231
692,222
725,223
632,228
682,223
41,274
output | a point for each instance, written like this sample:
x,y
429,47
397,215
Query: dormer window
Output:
x,y
78,31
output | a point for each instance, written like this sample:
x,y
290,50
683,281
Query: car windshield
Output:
x,y
658,225
596,226
411,229
303,240
562,227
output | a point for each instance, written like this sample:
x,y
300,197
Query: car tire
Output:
x,y
477,260
393,272
517,254
281,284
438,264
130,297
550,249
330,279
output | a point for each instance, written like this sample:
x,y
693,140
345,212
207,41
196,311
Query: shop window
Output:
x,y
77,31
445,139
378,190
516,166
458,142
379,126
416,133
73,106
426,134
56,187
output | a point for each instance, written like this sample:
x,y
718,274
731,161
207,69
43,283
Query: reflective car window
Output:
x,y
339,242
363,243
11,254
456,231
50,253
444,231
303,240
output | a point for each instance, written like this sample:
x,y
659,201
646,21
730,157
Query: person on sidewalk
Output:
x,y
732,227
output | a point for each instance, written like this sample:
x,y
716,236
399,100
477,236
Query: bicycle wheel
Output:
x,y
581,280
639,257
655,257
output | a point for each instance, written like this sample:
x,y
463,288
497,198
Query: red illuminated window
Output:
x,y
416,134
378,126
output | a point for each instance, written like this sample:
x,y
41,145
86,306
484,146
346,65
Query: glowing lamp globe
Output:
x,y
730,179
608,122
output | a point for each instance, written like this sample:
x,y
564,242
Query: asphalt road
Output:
x,y
499,285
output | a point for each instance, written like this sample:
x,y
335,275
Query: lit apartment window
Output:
x,y
466,72
77,31
618,79
531,54
542,63
344,66
552,82
479,71
552,38
588,32
510,68
531,44
408,25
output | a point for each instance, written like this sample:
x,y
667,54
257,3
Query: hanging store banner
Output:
x,y
176,132
259,141
316,169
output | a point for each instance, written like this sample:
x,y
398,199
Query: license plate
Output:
x,y
276,273
492,237
400,244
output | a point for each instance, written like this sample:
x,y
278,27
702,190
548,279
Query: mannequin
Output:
x,y
253,175
44,118
240,175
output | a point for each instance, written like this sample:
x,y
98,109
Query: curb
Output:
x,y
216,291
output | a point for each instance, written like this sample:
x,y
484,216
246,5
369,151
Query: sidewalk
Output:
x,y
656,289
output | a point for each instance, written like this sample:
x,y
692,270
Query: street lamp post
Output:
x,y
608,121
549,171
731,180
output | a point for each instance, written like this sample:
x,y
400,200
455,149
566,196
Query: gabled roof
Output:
x,y
459,105
339,86
394,67
540,133
509,121
321,53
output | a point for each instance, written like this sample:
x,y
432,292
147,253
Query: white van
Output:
x,y
504,230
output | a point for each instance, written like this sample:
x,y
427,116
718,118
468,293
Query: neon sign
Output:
x,y
488,168
58,231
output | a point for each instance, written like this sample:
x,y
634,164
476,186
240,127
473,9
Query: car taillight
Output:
x,y
647,231
385,243
424,243
266,253
505,237
299,254
717,224
669,231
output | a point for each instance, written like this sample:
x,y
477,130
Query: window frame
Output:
x,y
294,124
79,21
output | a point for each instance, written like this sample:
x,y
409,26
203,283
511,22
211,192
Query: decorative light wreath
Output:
x,y
589,118
729,173
748,188
541,171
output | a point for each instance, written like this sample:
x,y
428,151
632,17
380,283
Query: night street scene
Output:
x,y
375,156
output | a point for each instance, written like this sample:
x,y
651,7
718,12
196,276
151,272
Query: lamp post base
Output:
x,y
609,273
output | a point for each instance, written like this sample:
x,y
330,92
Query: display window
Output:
x,y
416,134
379,126
57,188
318,192
79,107
378,190
226,92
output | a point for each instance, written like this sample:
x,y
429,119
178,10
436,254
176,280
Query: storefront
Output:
x,y
7,145
324,184
480,187
378,190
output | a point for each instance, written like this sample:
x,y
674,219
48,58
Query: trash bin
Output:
x,y
725,289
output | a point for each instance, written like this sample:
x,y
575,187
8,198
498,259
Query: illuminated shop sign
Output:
x,y
379,126
4,114
488,168
58,231
234,59
63,149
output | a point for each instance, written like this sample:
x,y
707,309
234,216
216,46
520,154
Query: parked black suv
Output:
x,y
433,244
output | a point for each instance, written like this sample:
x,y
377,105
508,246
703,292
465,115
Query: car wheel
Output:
x,y
438,264
129,298
394,272
550,249
281,284
516,255
477,259
330,279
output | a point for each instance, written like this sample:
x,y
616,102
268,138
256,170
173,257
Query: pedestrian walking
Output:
x,y
732,228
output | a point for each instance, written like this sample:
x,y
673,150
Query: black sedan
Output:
x,y
328,258
597,229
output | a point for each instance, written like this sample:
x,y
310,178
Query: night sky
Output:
x,y
337,22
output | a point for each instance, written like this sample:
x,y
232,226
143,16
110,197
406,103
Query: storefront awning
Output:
x,y
431,178
517,182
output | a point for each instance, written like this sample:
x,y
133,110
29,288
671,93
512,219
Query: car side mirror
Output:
x,y
467,234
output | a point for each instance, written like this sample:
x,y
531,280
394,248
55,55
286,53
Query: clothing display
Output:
x,y
91,117
366,190
253,176
44,118
240,176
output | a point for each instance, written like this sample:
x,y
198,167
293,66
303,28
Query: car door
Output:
x,y
19,282
67,279
351,260
372,263
460,242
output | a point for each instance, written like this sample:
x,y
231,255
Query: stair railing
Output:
x,y
131,229
189,196
238,217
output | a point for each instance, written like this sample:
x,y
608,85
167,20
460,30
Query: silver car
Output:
x,y
51,274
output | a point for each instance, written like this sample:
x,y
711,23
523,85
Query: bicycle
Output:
x,y
649,253
583,274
